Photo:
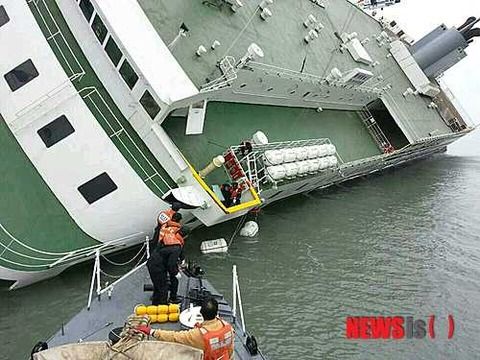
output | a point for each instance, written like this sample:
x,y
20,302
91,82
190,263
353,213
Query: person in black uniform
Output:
x,y
163,262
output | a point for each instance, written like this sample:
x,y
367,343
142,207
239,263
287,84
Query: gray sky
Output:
x,y
418,17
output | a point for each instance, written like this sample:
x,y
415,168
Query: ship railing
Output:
x,y
289,74
96,283
227,66
375,131
50,259
255,160
237,297
117,130
91,250
56,38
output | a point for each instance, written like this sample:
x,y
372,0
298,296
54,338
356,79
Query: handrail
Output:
x,y
57,258
52,35
237,297
97,271
230,210
278,71
149,177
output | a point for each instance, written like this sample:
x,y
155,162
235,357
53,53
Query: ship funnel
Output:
x,y
470,20
442,48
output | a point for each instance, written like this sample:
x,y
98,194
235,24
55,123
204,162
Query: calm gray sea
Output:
x,y
403,243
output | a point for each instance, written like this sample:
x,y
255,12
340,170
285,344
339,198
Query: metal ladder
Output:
x,y
252,172
374,129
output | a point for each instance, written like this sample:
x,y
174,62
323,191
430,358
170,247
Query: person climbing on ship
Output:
x,y
162,219
163,261
214,336
231,193
235,193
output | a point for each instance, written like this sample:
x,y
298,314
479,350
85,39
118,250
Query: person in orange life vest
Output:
x,y
214,336
164,217
163,261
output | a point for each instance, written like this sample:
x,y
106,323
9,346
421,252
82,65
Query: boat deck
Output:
x,y
237,122
281,38
109,313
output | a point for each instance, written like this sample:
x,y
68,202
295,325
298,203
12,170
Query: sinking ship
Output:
x,y
110,110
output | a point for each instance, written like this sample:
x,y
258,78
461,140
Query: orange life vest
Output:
x,y
165,216
217,343
169,234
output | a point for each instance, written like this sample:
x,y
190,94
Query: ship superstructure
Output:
x,y
112,108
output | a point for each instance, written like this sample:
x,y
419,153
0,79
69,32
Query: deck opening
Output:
x,y
387,123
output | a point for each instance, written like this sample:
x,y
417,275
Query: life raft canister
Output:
x,y
169,234
217,343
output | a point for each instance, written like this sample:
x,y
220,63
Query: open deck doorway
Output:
x,y
387,124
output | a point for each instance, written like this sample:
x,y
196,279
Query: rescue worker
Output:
x,y
164,217
163,261
214,336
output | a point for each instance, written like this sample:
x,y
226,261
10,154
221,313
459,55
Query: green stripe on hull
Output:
x,y
30,211
128,142
228,124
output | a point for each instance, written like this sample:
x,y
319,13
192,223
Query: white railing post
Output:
x,y
234,291
147,241
240,306
97,259
92,284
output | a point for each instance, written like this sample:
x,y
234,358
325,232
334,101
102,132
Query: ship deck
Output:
x,y
281,38
237,122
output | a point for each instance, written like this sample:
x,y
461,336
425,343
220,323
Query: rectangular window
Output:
x,y
113,51
128,74
99,29
3,16
149,104
97,188
56,131
87,9
21,75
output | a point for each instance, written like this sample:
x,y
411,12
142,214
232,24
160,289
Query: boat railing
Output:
x,y
229,74
254,161
91,250
96,282
289,74
40,259
56,38
237,297
375,131
116,130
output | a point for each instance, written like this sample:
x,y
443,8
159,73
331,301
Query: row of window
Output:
x,y
93,190
115,54
58,129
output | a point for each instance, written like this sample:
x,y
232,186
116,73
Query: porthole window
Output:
x,y
113,51
128,74
99,29
97,188
3,16
21,75
56,131
87,9
149,104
